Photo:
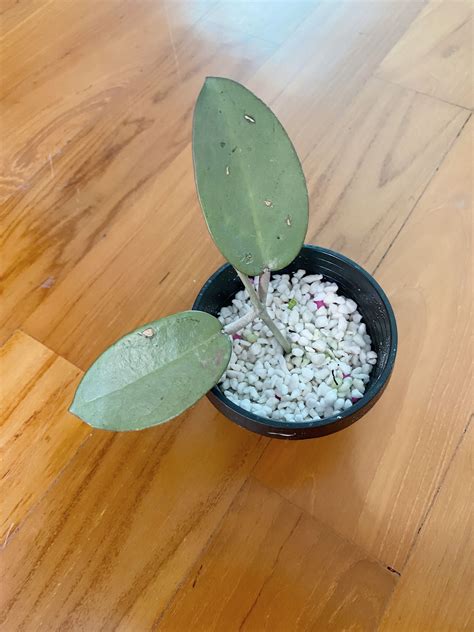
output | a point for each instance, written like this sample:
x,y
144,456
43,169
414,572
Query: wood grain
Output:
x,y
363,181
435,591
55,223
364,175
14,12
100,231
435,55
107,547
97,193
374,482
271,21
38,436
312,79
271,567
56,85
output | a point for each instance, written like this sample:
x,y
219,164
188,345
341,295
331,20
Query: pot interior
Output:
x,y
353,282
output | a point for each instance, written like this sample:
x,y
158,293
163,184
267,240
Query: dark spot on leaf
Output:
x,y
234,149
222,144
278,237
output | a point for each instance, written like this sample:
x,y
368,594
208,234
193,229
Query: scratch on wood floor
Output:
x,y
50,158
10,529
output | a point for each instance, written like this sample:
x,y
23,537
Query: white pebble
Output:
x,y
318,359
329,342
330,397
307,374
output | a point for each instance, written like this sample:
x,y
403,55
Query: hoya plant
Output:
x,y
253,195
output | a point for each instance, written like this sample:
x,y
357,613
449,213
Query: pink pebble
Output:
x,y
236,337
320,304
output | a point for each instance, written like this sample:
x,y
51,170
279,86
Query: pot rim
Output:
x,y
372,392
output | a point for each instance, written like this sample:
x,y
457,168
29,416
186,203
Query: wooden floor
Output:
x,y
199,525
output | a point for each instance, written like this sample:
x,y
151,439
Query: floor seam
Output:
x,y
13,532
329,527
436,492
428,182
428,510
424,94
203,551
58,355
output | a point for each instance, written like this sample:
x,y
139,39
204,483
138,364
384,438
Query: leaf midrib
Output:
x,y
254,215
180,357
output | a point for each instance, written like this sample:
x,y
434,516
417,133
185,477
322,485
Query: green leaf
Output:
x,y
153,373
292,303
249,179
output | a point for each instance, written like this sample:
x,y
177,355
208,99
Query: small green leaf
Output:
x,y
153,373
292,303
251,337
250,182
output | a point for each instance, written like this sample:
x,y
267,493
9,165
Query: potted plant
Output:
x,y
299,354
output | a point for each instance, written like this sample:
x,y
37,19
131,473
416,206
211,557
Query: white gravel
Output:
x,y
330,362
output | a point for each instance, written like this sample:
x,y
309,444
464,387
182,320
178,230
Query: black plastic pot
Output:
x,y
377,313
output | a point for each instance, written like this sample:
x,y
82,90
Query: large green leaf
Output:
x,y
250,182
153,373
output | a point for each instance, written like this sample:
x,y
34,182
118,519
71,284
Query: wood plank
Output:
x,y
435,591
102,231
271,567
14,12
314,77
435,55
56,85
380,158
109,544
374,481
366,174
107,171
53,225
272,21
38,436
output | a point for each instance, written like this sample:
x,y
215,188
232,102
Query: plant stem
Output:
x,y
237,325
263,282
262,312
